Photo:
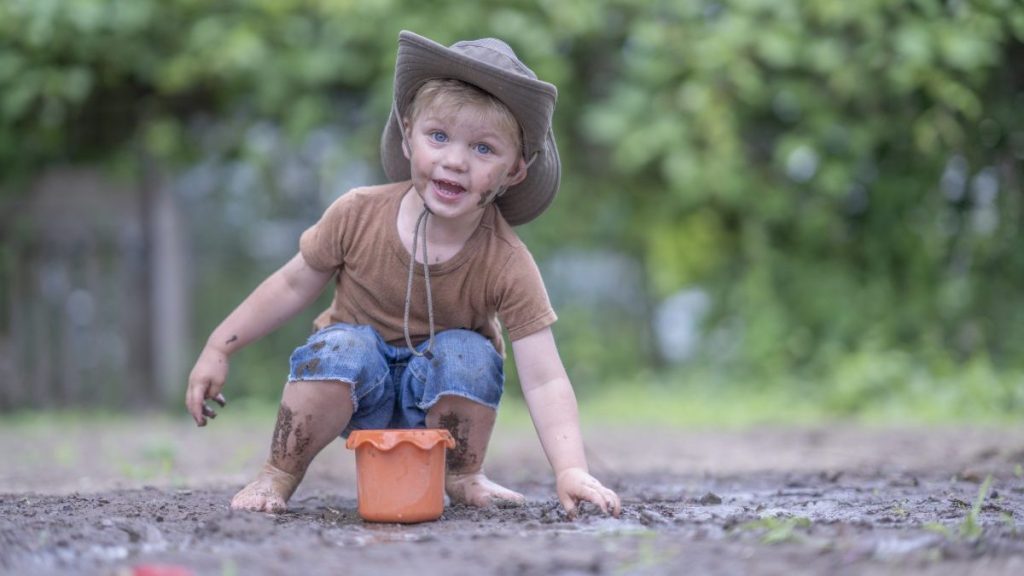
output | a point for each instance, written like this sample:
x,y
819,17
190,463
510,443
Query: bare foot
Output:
x,y
476,490
269,492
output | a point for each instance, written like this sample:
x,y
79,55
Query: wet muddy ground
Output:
x,y
105,499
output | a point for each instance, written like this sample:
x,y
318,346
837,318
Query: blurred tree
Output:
x,y
844,174
843,178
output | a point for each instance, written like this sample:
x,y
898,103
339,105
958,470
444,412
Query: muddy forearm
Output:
x,y
254,318
281,296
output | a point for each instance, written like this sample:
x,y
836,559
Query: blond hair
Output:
x,y
448,96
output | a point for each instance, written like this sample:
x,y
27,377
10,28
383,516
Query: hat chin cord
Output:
x,y
421,221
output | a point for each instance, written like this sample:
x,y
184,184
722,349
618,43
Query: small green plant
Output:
x,y
155,460
777,530
970,528
899,511
1007,519
940,529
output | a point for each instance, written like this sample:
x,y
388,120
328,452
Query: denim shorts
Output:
x,y
393,388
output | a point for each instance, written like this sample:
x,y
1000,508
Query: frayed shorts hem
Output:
x,y
391,386
351,387
428,405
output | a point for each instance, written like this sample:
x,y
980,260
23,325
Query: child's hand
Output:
x,y
205,383
575,485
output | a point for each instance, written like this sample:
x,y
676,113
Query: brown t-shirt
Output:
x,y
493,277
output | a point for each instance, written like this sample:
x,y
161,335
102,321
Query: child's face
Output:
x,y
458,157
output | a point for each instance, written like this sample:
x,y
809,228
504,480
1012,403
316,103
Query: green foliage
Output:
x,y
88,79
815,135
598,349
842,177
898,392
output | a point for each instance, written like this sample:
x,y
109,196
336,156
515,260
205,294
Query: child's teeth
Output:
x,y
449,188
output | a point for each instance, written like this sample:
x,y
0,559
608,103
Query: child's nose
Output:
x,y
454,158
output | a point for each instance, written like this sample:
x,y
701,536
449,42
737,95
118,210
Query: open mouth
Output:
x,y
448,189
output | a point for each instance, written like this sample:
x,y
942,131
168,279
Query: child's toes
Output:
x,y
256,498
504,502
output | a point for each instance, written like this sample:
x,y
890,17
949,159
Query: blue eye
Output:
x,y
483,149
438,136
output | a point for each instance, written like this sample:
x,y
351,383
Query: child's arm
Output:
x,y
282,295
552,404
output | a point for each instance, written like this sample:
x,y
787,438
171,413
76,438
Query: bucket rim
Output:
x,y
388,439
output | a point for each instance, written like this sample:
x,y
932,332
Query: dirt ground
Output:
x,y
109,497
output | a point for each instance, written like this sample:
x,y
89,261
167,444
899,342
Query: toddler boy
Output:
x,y
425,268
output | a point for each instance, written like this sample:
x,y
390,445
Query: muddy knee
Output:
x,y
470,423
464,364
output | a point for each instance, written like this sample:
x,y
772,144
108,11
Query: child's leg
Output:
x,y
312,414
460,388
317,404
471,425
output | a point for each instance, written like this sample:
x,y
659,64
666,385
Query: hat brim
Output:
x,y
531,101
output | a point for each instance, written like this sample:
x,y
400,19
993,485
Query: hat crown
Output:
x,y
495,53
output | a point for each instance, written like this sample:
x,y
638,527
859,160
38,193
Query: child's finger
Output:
x,y
611,499
209,412
599,499
194,402
220,399
616,504
569,504
606,499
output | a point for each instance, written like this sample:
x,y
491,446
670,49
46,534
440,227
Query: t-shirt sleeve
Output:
x,y
523,304
322,244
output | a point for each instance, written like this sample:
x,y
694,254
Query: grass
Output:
x,y
699,399
970,528
649,405
652,405
702,399
697,407
778,530
26,421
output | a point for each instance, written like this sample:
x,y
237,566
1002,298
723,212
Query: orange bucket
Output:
x,y
400,473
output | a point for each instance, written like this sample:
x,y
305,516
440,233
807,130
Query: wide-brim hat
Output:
x,y
492,66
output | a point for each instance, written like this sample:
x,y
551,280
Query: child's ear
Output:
x,y
518,173
405,140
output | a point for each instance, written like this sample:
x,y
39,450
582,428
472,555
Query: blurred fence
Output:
x,y
91,314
